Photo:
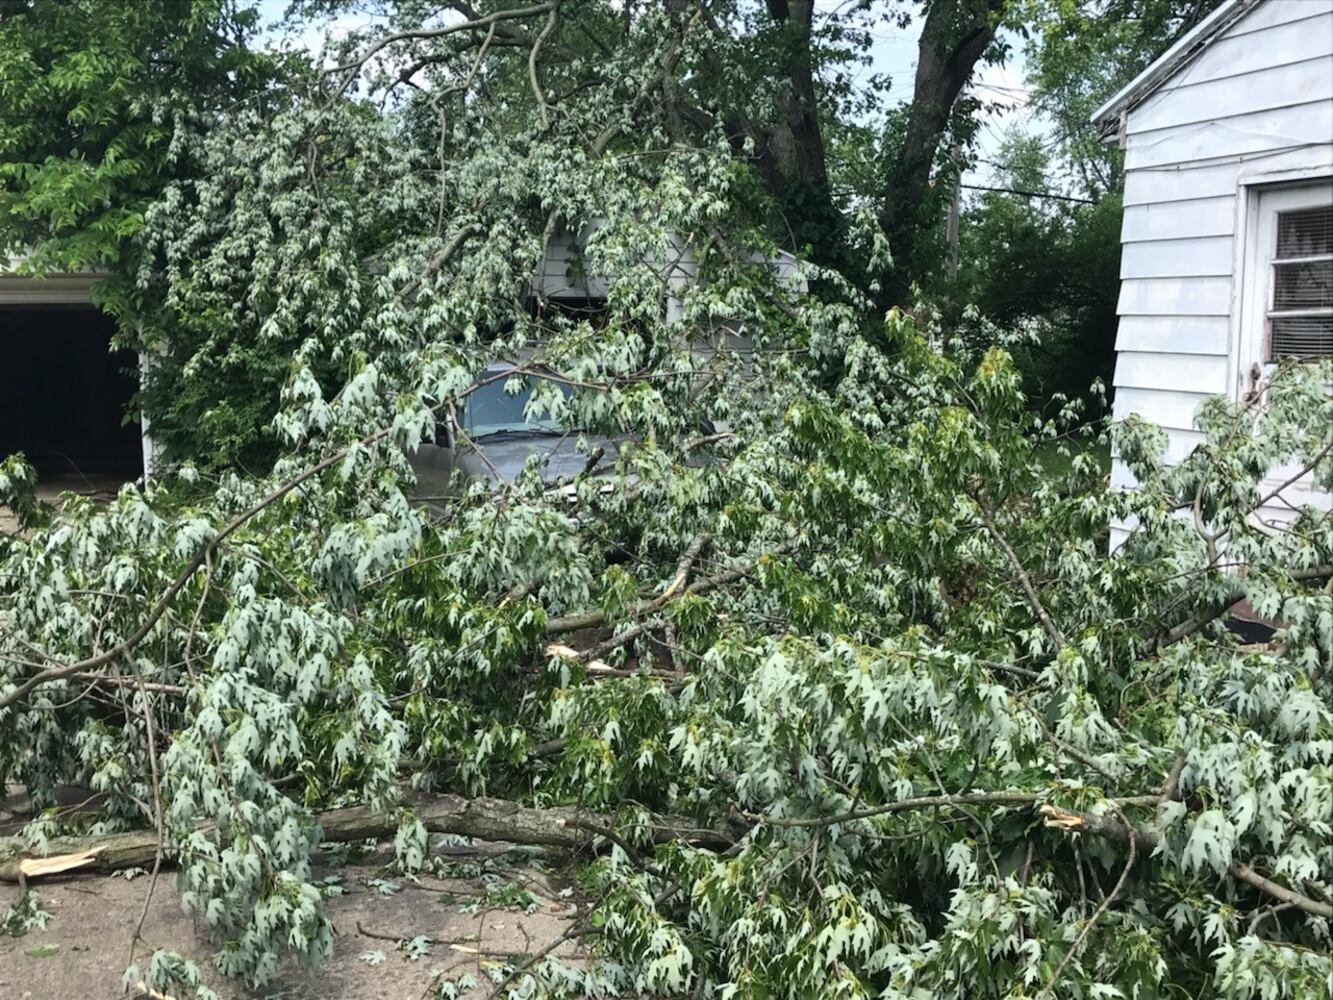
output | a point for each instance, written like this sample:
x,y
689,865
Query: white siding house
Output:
x,y
1228,141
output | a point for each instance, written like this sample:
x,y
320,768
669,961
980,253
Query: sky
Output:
x,y
894,52
1003,86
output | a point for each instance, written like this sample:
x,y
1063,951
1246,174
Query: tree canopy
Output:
x,y
831,672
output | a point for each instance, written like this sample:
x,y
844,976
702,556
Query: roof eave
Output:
x,y
1169,62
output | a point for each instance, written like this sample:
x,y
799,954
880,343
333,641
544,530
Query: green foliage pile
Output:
x,y
959,747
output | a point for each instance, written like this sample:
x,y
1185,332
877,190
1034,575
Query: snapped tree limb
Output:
x,y
567,827
1112,828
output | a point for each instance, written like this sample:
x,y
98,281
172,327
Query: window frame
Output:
x,y
1265,204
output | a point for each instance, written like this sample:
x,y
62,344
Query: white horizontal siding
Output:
x,y
1258,97
1293,83
1174,334
1286,125
1185,182
1275,13
1121,476
1179,219
563,273
1178,258
1290,42
1175,297
1299,494
1190,181
1201,374
1170,408
1180,443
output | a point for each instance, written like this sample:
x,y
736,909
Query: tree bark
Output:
x,y
793,159
798,141
788,154
953,38
566,827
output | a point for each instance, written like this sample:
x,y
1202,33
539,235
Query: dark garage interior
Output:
x,y
64,394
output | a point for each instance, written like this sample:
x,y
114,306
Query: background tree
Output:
x,y
1045,264
1080,53
98,104
1048,262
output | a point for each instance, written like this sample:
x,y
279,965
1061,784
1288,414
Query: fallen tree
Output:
x,y
566,827
780,703
906,725
569,828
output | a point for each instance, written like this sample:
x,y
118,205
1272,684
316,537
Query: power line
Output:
x,y
1030,194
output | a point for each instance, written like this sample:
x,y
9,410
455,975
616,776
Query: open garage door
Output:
x,y
64,395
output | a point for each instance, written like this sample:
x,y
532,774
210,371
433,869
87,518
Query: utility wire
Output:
x,y
1030,194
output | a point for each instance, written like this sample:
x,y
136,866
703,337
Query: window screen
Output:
x,y
1300,320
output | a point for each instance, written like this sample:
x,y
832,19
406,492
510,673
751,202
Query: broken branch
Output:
x,y
1116,830
567,827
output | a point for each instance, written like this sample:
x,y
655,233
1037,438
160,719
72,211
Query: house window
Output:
x,y
1300,315
1295,252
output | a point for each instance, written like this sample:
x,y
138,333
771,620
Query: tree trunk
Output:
x,y
793,160
566,827
955,35
788,153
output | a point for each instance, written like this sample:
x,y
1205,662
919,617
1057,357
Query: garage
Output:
x,y
64,396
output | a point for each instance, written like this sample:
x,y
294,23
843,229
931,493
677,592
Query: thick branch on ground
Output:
x,y
1112,828
567,827
902,805
592,619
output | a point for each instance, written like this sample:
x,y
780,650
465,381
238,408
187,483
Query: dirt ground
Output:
x,y
49,488
84,949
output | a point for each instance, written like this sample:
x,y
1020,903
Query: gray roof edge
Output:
x,y
1172,60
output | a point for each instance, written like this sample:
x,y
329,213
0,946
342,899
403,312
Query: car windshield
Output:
x,y
490,410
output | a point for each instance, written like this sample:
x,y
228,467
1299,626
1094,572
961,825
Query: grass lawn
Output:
x,y
1049,454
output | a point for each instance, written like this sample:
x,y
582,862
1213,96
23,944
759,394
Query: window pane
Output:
x,y
1302,337
1307,233
1303,286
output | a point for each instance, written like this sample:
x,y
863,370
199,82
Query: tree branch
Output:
x,y
1025,581
902,805
604,138
475,23
1217,609
569,827
543,111
125,646
1111,897
1112,828
591,619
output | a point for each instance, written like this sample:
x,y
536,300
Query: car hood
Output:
x,y
558,457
